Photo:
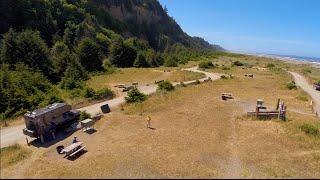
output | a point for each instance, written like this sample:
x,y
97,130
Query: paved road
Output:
x,y
14,134
308,88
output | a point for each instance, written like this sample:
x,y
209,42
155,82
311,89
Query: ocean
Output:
x,y
314,60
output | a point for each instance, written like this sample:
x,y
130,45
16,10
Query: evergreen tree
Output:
x,y
122,55
171,61
90,55
74,76
26,47
61,56
141,61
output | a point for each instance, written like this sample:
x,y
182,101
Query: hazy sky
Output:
x,y
287,27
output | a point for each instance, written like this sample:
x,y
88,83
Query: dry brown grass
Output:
x,y
12,155
141,75
197,136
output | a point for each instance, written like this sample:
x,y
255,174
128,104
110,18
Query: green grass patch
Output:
x,y
310,129
13,154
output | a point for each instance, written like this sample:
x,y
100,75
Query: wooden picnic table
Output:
x,y
72,149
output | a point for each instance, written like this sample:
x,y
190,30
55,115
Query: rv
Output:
x,y
45,121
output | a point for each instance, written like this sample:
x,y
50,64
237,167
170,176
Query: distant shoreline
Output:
x,y
289,59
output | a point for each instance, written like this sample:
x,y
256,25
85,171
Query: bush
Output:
x,y
84,115
271,65
206,65
104,93
171,61
99,94
134,96
292,86
237,63
89,92
309,129
165,86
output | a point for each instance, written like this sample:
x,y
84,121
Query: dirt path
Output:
x,y
12,135
315,95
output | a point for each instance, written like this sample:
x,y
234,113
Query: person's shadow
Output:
x,y
152,128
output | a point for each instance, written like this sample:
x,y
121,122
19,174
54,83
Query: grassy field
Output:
x,y
12,155
128,76
142,75
197,135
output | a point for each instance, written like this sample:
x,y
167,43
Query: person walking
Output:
x,y
149,122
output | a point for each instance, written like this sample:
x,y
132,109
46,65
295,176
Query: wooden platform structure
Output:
x,y
262,112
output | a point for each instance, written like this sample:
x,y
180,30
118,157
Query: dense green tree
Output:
x,y
26,47
104,43
61,56
22,90
122,55
171,61
90,55
141,61
74,76
137,44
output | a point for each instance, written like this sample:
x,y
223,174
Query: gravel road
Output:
x,y
308,88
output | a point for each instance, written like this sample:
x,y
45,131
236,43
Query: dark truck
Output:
x,y
45,121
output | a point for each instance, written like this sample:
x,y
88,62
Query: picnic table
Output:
x,y
73,149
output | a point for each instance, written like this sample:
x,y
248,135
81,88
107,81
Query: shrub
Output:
x,y
206,65
99,94
165,86
104,93
292,85
309,129
88,92
271,65
171,61
134,96
237,63
197,81
84,115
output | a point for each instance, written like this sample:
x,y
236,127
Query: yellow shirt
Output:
x,y
148,118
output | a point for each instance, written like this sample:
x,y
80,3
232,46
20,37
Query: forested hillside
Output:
x,y
59,43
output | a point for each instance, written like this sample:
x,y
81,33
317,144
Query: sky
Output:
x,y
284,27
